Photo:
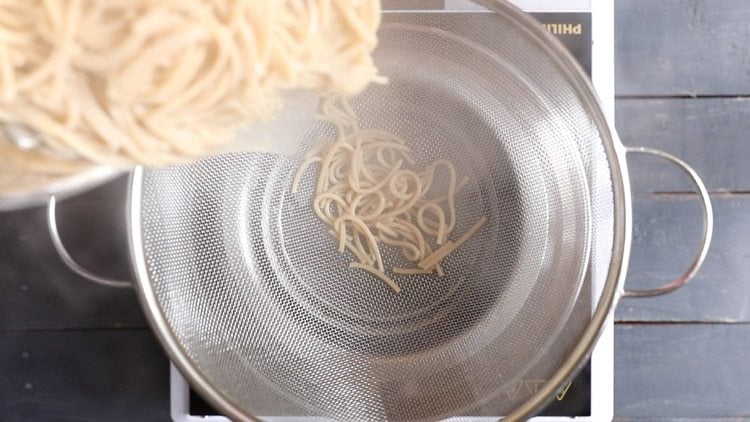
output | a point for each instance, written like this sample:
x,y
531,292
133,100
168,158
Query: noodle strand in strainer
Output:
x,y
368,197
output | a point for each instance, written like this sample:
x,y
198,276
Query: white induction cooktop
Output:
x,y
586,27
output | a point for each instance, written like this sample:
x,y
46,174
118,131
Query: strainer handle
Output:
x,y
65,256
708,226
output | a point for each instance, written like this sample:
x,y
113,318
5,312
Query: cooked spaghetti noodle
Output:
x,y
119,82
369,197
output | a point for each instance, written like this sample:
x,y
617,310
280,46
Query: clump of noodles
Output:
x,y
123,82
370,192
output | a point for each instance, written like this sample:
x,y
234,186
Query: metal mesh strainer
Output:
x,y
252,298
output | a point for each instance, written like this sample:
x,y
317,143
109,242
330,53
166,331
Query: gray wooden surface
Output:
x,y
682,81
682,371
682,47
82,375
70,350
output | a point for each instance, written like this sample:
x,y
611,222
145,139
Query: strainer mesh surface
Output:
x,y
265,307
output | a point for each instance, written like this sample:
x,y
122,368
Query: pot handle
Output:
x,y
708,226
65,256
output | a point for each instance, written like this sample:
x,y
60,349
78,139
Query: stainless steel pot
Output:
x,y
236,280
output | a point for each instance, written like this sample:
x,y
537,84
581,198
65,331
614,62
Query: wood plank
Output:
x,y
119,375
39,292
710,134
682,47
665,236
682,370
